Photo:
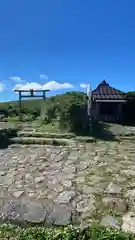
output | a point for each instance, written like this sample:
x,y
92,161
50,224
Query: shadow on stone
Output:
x,y
98,130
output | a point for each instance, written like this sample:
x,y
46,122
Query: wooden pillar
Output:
x,y
97,110
119,112
20,106
42,111
44,96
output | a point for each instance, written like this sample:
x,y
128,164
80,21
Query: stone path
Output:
x,y
62,185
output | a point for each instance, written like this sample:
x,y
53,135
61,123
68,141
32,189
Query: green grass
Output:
x,y
50,127
12,232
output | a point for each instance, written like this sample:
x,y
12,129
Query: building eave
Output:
x,y
108,100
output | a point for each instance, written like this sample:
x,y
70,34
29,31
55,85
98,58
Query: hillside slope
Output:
x,y
37,103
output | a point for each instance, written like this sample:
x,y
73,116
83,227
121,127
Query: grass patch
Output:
x,y
11,232
50,127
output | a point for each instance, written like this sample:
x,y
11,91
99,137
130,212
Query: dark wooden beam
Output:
x,y
34,96
17,90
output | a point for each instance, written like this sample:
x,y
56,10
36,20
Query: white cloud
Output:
x,y
17,86
16,79
44,77
53,85
28,86
2,87
83,85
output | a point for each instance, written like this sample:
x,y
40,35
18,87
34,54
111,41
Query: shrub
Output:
x,y
74,117
67,233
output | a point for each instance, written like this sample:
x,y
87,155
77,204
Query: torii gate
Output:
x,y
31,95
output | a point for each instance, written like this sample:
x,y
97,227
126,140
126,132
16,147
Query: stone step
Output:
x,y
42,141
126,137
28,129
56,135
45,134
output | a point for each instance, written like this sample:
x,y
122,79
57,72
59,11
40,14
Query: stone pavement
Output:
x,y
63,185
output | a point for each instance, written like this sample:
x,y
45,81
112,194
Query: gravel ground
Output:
x,y
63,185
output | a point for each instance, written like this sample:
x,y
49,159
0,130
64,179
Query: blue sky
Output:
x,y
68,41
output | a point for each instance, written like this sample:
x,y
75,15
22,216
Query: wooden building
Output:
x,y
107,103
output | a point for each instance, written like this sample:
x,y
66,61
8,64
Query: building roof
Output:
x,y
105,92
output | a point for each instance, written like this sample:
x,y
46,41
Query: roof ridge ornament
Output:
x,y
104,82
